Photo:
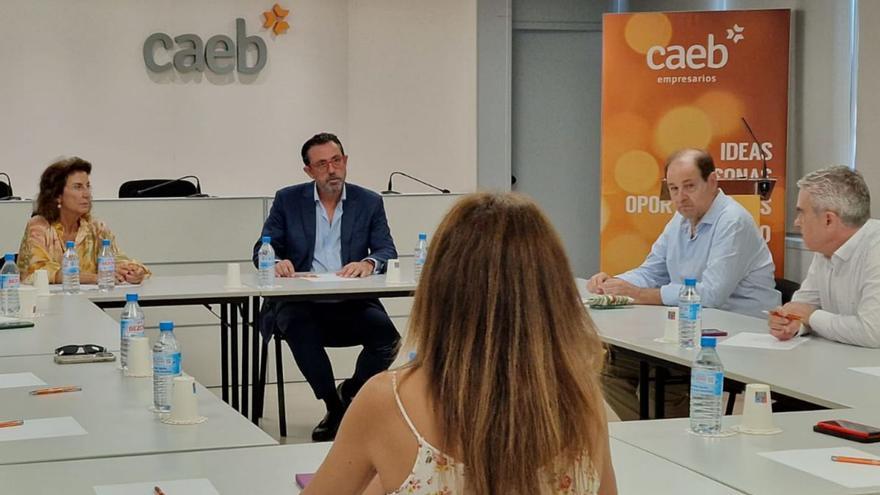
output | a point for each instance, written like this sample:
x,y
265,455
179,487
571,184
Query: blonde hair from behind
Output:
x,y
511,355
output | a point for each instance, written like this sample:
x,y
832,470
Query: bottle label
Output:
x,y
692,311
266,264
106,264
131,327
166,363
9,281
71,269
707,382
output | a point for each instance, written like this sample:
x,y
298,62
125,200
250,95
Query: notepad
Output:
x,y
303,479
762,341
818,463
42,428
199,486
15,380
7,322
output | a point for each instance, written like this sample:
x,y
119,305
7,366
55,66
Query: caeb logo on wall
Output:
x,y
220,54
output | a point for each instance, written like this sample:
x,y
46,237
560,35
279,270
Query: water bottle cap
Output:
x,y
69,244
9,257
707,342
423,236
105,242
131,297
267,239
166,326
690,281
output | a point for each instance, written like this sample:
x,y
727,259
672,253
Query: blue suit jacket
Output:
x,y
291,225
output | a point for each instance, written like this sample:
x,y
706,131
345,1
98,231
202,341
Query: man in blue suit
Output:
x,y
329,226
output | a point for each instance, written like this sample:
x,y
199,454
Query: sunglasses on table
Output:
x,y
69,350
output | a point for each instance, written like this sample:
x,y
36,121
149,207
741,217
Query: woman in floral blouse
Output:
x,y
62,212
502,395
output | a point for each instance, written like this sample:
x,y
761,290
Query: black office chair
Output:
x,y
787,288
260,385
6,188
159,188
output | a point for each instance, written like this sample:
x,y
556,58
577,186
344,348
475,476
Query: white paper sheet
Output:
x,y
762,341
176,487
42,428
327,277
14,380
818,463
868,370
58,288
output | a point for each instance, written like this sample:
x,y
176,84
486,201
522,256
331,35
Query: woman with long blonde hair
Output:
x,y
503,396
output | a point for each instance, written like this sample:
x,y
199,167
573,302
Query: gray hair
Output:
x,y
840,190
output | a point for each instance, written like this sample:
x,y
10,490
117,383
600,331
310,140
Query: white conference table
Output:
x,y
62,320
243,302
734,461
815,371
73,320
271,471
114,411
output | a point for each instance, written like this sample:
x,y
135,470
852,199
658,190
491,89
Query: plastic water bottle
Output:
x,y
166,365
266,264
106,267
420,254
131,324
690,314
707,386
70,270
9,282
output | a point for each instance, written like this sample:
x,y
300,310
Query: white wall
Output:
x,y
74,82
412,91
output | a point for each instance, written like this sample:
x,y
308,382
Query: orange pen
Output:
x,y
855,460
11,423
789,316
56,390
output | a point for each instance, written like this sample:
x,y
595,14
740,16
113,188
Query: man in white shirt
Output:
x,y
840,297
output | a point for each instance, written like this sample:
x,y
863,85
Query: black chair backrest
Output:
x,y
5,190
787,288
173,189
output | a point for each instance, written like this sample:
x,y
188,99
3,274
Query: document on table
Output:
x,y
199,486
326,277
868,370
58,288
762,341
818,463
42,428
15,380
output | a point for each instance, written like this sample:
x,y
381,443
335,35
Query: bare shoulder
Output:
x,y
377,393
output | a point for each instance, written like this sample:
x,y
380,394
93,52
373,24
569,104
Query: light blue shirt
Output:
x,y
727,256
328,237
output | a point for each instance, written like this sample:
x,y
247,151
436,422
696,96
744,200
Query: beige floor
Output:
x,y
304,412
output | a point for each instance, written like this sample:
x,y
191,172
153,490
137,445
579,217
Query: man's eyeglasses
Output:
x,y
68,350
322,165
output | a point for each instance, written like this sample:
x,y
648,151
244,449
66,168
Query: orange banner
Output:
x,y
685,80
